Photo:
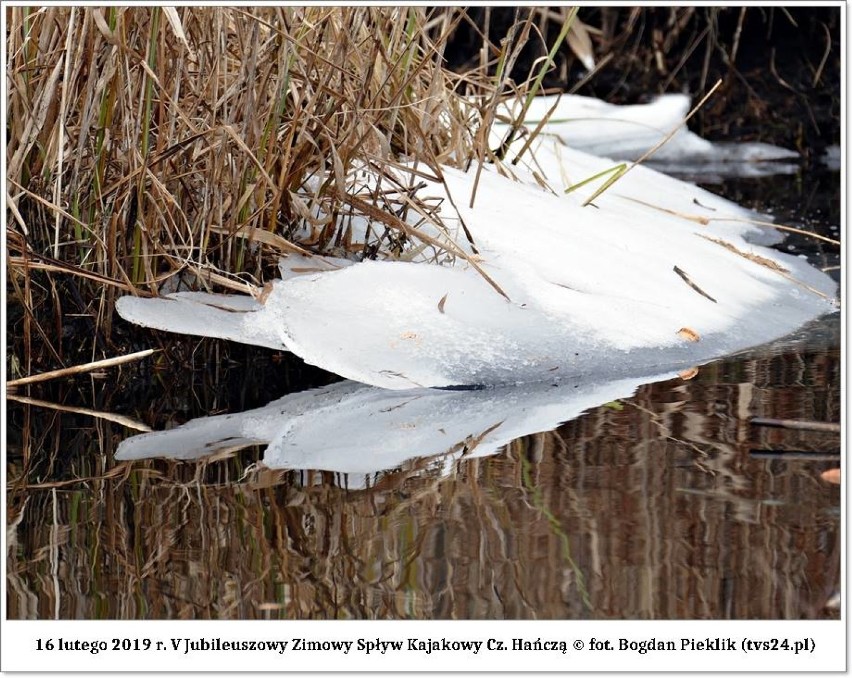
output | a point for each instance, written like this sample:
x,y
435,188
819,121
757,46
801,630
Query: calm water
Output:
x,y
663,503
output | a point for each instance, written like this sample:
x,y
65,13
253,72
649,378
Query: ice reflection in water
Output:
x,y
644,506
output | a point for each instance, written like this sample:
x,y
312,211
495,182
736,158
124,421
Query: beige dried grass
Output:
x,y
144,129
148,141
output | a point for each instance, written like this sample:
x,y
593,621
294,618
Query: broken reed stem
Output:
x,y
797,424
63,102
393,221
536,86
789,229
799,455
706,220
647,154
121,468
109,416
80,369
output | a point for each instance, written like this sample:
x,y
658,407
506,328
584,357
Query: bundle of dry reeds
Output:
x,y
142,139
148,141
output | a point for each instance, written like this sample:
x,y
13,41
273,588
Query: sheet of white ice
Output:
x,y
832,158
712,172
628,132
600,289
590,290
361,430
224,316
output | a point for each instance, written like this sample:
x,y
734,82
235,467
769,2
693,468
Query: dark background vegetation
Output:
x,y
769,59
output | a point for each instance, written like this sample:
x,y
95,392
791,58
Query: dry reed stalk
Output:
x,y
79,369
129,422
797,424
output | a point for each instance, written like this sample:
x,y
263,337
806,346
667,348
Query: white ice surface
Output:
x,y
628,132
204,315
588,289
647,188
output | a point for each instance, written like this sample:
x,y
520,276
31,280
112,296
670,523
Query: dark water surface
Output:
x,y
664,504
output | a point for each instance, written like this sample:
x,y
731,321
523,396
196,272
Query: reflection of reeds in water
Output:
x,y
656,508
